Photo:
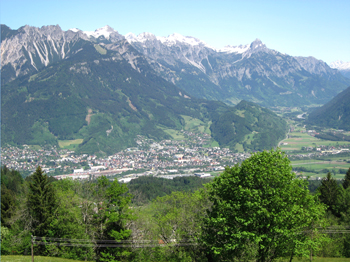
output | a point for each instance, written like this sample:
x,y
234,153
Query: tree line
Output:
x,y
256,211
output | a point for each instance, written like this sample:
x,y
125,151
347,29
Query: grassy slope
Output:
x,y
36,259
55,259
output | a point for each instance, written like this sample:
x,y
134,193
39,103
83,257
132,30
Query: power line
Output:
x,y
108,243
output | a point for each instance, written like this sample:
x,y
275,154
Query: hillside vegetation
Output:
x,y
100,98
334,114
249,127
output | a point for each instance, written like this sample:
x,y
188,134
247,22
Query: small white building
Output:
x,y
79,170
96,168
202,175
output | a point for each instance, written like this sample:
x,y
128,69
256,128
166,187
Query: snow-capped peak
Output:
x,y
256,44
74,30
340,65
169,41
174,38
105,31
131,37
234,49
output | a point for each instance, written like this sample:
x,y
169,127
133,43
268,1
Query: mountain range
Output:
x,y
104,97
251,72
106,89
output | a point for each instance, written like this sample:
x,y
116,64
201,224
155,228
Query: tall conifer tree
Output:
x,y
329,193
42,202
346,181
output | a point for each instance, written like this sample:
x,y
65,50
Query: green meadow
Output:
x,y
69,144
175,134
319,165
297,140
194,124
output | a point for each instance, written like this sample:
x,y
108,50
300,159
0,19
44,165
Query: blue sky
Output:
x,y
300,28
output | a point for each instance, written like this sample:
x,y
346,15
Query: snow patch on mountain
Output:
x,y
74,30
234,49
175,38
340,65
171,40
105,31
143,37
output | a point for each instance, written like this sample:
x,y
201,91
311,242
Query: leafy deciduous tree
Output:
x,y
259,211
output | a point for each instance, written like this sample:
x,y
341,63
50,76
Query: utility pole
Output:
x,y
32,248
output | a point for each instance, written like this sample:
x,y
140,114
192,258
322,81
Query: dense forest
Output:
x,y
254,211
248,126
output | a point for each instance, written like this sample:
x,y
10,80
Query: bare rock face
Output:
x,y
315,66
29,49
32,48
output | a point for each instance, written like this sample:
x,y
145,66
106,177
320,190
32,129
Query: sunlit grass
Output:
x,y
69,143
297,140
36,259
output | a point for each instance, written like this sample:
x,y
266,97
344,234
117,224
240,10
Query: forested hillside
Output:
x,y
104,98
99,97
334,114
249,127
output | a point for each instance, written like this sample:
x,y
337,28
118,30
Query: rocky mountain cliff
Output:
x,y
250,72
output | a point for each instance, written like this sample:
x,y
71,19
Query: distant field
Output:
x,y
320,165
175,134
212,143
297,140
35,147
69,144
36,259
194,124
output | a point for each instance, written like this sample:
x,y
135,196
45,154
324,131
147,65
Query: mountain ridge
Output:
x,y
250,72
334,114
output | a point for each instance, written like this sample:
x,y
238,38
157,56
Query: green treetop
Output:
x,y
346,181
329,194
260,211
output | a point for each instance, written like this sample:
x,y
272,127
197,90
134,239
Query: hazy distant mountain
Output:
x,y
251,72
343,67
